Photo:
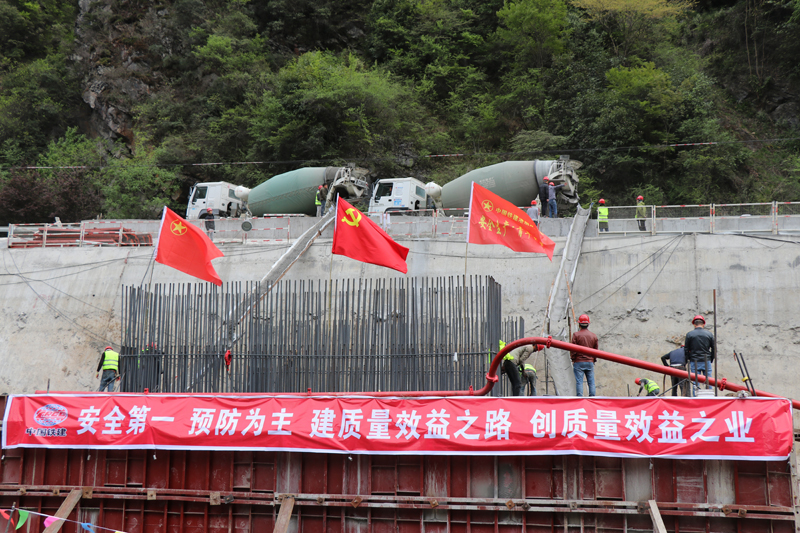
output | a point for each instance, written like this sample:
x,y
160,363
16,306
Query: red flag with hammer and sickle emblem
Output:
x,y
186,248
493,220
359,238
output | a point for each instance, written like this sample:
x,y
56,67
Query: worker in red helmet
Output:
x,y
208,216
582,364
602,215
648,385
318,198
700,350
109,364
641,212
533,212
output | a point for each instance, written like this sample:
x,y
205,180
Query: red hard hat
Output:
x,y
640,197
601,201
319,188
638,381
700,318
546,178
533,202
583,319
209,209
108,348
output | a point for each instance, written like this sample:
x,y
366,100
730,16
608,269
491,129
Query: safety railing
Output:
x,y
771,217
94,233
301,373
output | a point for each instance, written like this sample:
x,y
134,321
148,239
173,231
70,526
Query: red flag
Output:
x,y
186,248
493,220
359,238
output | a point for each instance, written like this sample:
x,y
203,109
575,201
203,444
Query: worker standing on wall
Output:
x,y
602,215
641,212
552,205
584,364
208,216
677,359
318,201
649,385
324,196
109,364
699,347
533,212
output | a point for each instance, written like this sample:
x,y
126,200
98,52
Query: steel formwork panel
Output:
x,y
189,491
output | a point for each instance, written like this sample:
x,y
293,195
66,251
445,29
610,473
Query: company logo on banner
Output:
x,y
696,428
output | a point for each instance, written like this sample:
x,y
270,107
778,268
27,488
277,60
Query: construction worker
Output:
x,y
513,361
208,216
699,347
552,206
602,215
584,364
641,212
533,212
529,375
109,363
649,385
324,196
677,359
319,201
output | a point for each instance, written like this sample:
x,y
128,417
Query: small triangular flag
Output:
x,y
49,520
7,516
23,516
87,526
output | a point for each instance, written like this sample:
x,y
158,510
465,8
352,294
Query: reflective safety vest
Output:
x,y
650,386
508,356
318,198
602,214
529,367
111,361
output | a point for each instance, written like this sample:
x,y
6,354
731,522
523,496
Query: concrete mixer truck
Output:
x,y
518,182
293,192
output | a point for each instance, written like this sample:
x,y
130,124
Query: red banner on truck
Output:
x,y
691,428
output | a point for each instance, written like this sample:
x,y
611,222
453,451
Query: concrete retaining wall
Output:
x,y
60,307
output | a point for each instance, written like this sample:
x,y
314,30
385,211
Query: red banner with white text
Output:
x,y
694,428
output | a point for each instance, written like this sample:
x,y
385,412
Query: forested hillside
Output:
x,y
144,98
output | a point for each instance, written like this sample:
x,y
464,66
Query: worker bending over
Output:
x,y
677,359
649,385
513,361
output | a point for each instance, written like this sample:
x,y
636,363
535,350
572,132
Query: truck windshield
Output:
x,y
199,194
384,189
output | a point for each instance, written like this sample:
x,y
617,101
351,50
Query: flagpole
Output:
x,y
150,282
330,275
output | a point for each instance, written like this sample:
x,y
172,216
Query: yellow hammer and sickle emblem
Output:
x,y
487,205
177,227
355,217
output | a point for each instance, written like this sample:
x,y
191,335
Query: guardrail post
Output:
x,y
119,239
653,221
83,233
44,236
10,233
774,217
712,214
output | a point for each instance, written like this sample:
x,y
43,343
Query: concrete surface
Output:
x,y
60,307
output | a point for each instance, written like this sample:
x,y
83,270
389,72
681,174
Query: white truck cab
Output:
x,y
225,199
398,194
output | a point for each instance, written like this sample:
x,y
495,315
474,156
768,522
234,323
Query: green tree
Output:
x,y
628,22
533,30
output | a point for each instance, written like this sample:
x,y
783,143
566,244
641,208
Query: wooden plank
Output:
x,y
655,514
284,516
66,508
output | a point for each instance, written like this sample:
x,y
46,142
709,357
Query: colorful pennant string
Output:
x,y
49,520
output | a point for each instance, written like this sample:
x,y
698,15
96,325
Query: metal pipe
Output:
x,y
492,377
